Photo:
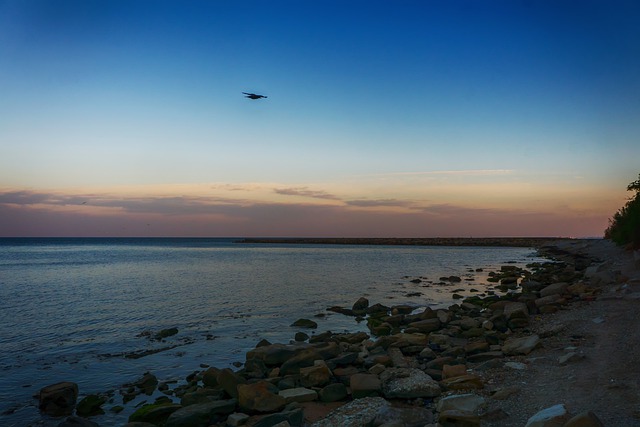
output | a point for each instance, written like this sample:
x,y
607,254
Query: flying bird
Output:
x,y
253,95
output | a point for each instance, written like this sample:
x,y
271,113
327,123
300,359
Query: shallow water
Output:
x,y
71,308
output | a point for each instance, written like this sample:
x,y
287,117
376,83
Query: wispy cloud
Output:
x,y
305,192
370,203
469,172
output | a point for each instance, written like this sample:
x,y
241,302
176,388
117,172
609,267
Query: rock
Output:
x,y
450,371
522,345
550,417
299,394
275,354
202,395
364,385
452,418
426,326
531,286
305,323
154,413
408,383
165,333
210,377
554,289
333,392
547,300
147,383
90,405
315,376
470,403
360,305
476,347
229,381
303,359
505,393
58,399
463,382
358,413
301,336
584,419
77,422
516,310
259,397
294,417
201,415
483,357
237,419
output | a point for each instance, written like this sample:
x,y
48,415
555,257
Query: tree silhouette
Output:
x,y
624,227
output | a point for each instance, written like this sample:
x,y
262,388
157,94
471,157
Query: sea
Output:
x,y
86,309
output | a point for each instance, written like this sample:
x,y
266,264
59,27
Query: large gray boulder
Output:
x,y
358,413
408,383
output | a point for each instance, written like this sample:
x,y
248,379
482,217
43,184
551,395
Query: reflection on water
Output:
x,y
72,308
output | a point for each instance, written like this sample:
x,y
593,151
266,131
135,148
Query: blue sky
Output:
x,y
452,118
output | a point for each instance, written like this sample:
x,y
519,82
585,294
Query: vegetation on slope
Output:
x,y
624,227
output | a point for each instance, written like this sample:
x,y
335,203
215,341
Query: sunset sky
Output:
x,y
383,118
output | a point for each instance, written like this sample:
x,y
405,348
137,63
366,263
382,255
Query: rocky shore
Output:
x,y
557,350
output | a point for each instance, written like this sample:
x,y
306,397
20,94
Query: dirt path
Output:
x,y
604,375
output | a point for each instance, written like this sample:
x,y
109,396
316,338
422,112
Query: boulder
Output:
x,y
315,376
294,417
58,399
305,323
408,383
147,383
201,415
554,289
275,354
584,419
550,417
463,382
154,413
364,385
470,403
522,345
450,371
210,377
229,381
361,305
299,394
426,326
303,359
90,405
516,310
333,392
358,413
259,397
453,418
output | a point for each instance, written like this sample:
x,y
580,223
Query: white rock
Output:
x,y
549,417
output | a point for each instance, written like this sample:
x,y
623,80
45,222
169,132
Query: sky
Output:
x,y
383,118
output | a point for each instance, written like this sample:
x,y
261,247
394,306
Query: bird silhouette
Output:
x,y
253,95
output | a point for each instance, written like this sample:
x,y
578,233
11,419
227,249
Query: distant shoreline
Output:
x,y
412,241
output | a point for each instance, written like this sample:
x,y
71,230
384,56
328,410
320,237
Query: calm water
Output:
x,y
72,307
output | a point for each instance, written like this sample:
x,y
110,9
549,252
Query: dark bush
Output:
x,y
624,227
